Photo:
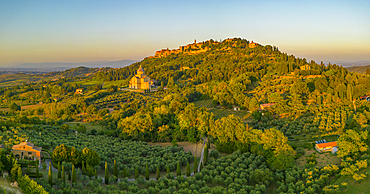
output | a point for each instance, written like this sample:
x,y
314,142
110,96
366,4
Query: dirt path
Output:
x,y
201,157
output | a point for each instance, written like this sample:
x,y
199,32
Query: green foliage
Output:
x,y
30,186
50,175
205,156
37,169
188,170
74,176
124,172
59,171
158,174
83,168
136,172
178,170
115,169
214,154
195,164
91,157
63,175
114,149
20,175
168,170
146,172
14,107
106,177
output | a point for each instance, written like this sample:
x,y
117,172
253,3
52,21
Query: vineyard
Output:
x,y
235,173
129,154
122,97
205,103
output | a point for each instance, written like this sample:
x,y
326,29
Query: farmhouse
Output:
x,y
326,147
305,67
27,149
78,91
266,106
140,80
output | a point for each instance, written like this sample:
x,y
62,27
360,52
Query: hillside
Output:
x,y
359,69
261,109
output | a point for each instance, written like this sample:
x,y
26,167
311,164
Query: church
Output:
x,y
140,80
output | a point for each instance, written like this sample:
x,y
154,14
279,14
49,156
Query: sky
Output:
x,y
83,31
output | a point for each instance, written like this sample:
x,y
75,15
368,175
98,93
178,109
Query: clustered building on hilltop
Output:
x,y
140,80
194,48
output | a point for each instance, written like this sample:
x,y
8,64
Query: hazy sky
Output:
x,y
79,31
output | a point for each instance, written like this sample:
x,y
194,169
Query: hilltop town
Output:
x,y
196,48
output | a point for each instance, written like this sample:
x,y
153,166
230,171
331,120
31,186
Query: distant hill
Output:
x,y
350,64
57,66
359,69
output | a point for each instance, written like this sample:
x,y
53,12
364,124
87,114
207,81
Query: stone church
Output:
x,y
140,80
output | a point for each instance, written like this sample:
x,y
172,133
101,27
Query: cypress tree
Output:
x,y
69,175
37,169
73,174
201,165
63,174
96,174
19,173
146,172
115,169
136,172
188,170
168,170
106,174
195,164
50,175
124,173
59,171
205,157
83,168
158,174
178,170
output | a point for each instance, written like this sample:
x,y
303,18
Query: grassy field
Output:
x,y
89,126
87,83
23,107
5,184
105,86
118,83
323,159
361,187
219,111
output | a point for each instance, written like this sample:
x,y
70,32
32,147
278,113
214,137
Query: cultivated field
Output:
x,y
323,159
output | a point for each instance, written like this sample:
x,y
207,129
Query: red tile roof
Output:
x,y
325,145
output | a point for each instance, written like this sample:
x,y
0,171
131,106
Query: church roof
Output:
x,y
140,69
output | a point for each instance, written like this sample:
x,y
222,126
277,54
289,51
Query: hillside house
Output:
x,y
305,67
266,106
27,149
325,147
79,91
